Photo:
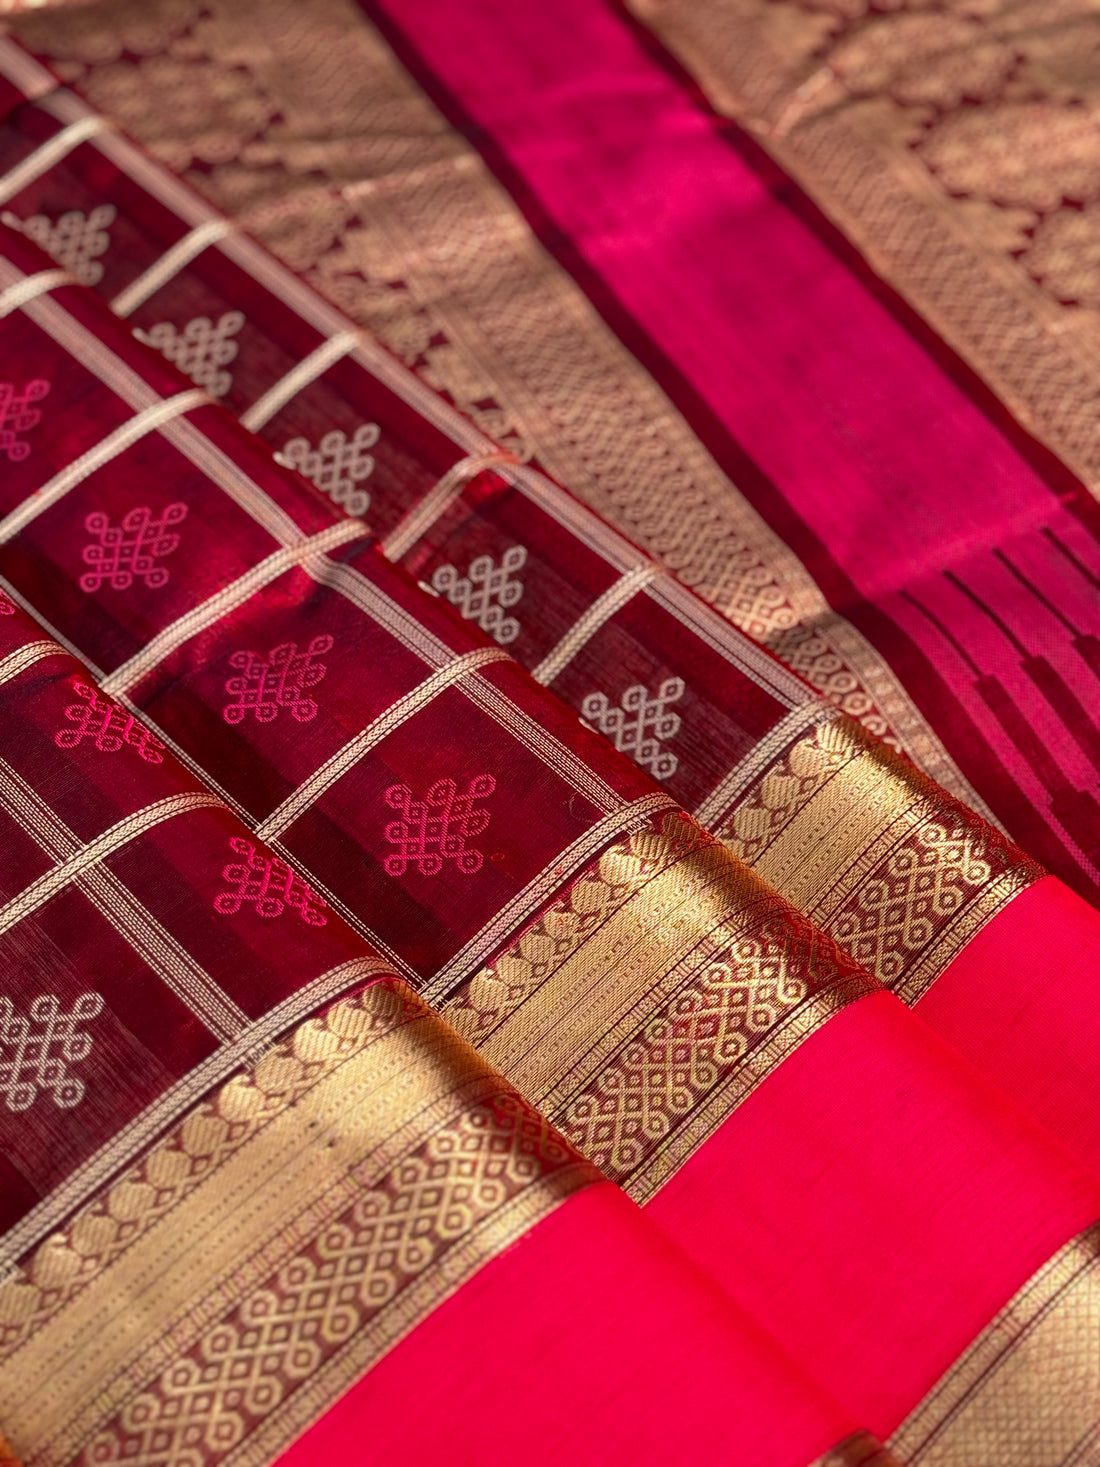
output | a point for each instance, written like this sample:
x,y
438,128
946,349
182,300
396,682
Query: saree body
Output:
x,y
927,896
243,1168
672,1015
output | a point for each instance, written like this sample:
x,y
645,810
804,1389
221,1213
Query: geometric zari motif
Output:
x,y
337,465
108,725
912,875
17,415
436,828
640,725
202,350
486,591
205,1138
636,1098
905,899
268,685
75,240
269,884
130,548
737,988
37,1048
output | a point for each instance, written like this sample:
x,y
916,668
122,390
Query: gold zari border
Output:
x,y
646,1004
1027,1392
225,1290
891,867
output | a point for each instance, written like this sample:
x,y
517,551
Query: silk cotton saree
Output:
x,y
548,746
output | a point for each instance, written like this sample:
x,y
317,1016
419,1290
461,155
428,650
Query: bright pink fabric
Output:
x,y
589,1342
894,472
730,285
1022,1000
874,1203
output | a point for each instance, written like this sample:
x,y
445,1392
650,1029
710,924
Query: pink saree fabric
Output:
x,y
661,1369
865,455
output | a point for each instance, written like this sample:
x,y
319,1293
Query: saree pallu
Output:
x,y
243,1164
668,1012
928,897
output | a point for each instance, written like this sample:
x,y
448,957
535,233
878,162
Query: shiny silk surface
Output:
x,y
321,751
898,872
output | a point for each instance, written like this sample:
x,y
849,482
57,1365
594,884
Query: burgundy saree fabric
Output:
x,y
928,875
180,970
995,1197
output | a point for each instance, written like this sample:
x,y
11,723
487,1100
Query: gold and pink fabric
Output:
x,y
549,764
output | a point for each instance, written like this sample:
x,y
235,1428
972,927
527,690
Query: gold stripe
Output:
x,y
586,627
226,600
1027,1392
534,896
402,625
30,286
51,152
123,437
32,79
45,625
665,935
756,763
292,1229
307,371
337,765
170,264
854,836
153,943
26,656
51,882
559,757
114,373
189,762
423,515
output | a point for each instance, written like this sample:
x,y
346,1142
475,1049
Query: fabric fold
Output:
x,y
297,1227
691,1034
901,874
